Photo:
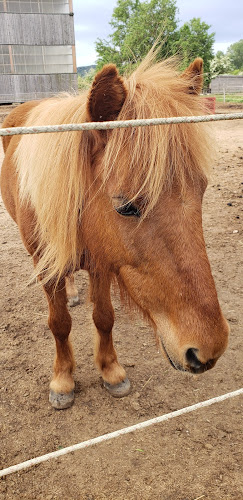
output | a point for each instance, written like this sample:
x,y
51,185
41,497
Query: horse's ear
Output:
x,y
107,95
194,75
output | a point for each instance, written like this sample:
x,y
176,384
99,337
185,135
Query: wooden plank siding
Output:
x,y
43,30
21,88
227,83
36,29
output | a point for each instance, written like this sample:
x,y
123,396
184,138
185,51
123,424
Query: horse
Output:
x,y
126,206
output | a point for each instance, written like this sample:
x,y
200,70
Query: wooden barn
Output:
x,y
227,83
37,49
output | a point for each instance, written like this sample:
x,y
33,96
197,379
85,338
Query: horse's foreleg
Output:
x,y
62,384
112,372
72,291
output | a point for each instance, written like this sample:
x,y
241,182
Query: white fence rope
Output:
x,y
120,432
117,124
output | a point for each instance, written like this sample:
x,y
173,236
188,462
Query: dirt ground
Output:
x,y
196,456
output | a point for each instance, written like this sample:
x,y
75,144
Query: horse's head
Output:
x,y
147,216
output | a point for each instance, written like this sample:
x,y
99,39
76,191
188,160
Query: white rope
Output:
x,y
117,124
121,432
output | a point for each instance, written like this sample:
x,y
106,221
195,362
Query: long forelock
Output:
x,y
146,160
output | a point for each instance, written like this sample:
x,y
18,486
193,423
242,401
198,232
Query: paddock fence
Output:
x,y
233,95
109,125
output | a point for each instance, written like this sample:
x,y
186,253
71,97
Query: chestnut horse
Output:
x,y
125,205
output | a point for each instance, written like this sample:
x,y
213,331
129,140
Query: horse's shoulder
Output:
x,y
18,115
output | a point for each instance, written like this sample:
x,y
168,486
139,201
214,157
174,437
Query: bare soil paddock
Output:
x,y
198,455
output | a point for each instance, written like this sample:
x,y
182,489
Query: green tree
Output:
x,y
220,64
196,41
137,25
85,81
235,53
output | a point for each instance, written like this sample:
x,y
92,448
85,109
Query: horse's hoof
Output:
x,y
61,401
73,301
119,390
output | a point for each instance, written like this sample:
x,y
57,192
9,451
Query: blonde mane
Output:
x,y
148,159
55,169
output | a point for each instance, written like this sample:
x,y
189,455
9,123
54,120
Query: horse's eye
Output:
x,y
128,210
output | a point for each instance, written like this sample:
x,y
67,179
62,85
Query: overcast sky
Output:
x,y
91,19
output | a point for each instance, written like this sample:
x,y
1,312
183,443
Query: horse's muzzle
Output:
x,y
194,364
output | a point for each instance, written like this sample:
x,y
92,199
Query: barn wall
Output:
x,y
36,29
229,83
22,75
21,88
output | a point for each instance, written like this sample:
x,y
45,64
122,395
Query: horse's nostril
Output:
x,y
192,359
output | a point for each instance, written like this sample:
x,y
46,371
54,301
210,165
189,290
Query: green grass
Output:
x,y
229,98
